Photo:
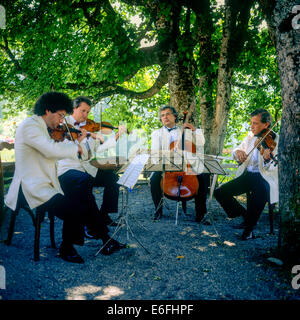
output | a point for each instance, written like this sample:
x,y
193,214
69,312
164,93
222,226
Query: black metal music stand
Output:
x,y
123,218
166,163
208,164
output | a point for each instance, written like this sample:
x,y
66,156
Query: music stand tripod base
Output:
x,y
123,220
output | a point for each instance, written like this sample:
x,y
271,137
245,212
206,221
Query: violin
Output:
x,y
180,185
62,132
267,142
104,126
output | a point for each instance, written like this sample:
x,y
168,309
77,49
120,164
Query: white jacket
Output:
x,y
268,171
36,155
161,138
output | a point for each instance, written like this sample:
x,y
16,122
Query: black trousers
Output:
x,y
75,216
200,198
258,191
80,184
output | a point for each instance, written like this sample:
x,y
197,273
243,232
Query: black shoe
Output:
x,y
248,234
68,253
112,246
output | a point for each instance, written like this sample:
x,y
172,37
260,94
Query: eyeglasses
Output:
x,y
61,115
166,114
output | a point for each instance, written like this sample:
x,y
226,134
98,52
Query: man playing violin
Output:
x,y
257,176
161,140
35,182
78,177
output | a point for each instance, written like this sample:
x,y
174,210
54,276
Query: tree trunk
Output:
x,y
215,122
182,88
287,42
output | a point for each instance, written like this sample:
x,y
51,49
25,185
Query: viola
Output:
x,y
62,132
180,185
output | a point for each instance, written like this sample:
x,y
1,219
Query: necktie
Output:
x,y
170,129
76,123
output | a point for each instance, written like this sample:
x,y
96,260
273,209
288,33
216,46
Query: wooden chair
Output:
x,y
36,215
9,146
271,208
271,217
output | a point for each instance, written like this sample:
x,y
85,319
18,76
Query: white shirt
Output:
x,y
253,163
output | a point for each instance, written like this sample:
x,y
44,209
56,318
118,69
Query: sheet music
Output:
x,y
131,174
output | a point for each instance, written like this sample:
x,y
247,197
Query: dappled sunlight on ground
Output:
x,y
209,234
88,292
200,248
229,243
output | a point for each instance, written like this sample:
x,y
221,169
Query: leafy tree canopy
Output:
x,y
94,48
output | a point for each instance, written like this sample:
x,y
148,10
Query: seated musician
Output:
x,y
257,175
35,182
161,140
78,177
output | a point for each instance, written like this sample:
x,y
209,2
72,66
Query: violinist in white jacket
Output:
x,y
78,177
35,181
257,176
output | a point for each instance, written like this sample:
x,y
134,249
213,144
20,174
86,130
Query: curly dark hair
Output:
x,y
53,101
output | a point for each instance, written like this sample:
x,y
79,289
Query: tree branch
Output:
x,y
161,80
6,49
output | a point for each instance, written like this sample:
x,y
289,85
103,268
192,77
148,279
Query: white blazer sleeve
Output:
x,y
109,143
35,137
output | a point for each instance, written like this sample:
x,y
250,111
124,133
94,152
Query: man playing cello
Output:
x,y
161,140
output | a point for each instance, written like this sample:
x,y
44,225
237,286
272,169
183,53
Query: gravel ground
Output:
x,y
188,261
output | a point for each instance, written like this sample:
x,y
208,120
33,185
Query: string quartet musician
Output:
x,y
161,140
78,177
35,182
257,176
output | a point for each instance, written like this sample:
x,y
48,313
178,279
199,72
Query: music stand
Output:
x,y
208,164
212,165
164,161
128,181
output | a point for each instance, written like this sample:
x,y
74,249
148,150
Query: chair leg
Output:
x,y
37,236
11,226
52,238
184,206
271,218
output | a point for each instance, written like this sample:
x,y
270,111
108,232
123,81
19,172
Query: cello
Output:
x,y
181,185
